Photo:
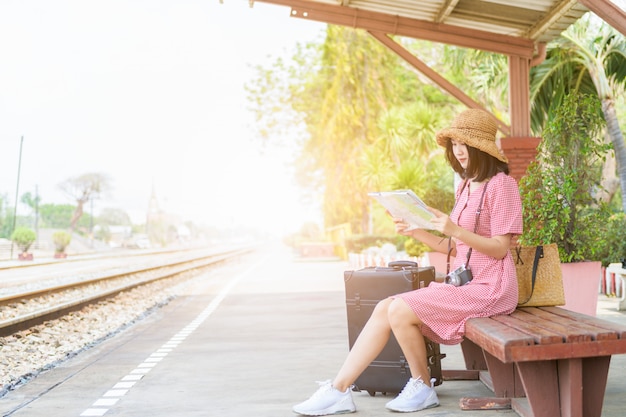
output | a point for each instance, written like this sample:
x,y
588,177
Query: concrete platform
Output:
x,y
249,339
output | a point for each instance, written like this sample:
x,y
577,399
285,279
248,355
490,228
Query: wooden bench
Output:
x,y
557,359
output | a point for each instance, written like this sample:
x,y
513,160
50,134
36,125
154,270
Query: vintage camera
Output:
x,y
459,276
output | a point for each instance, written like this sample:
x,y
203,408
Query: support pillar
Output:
x,y
520,151
519,95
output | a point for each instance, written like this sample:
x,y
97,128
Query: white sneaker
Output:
x,y
325,401
415,396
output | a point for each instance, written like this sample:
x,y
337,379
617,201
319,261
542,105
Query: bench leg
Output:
x,y
502,379
577,385
505,380
474,362
473,355
595,375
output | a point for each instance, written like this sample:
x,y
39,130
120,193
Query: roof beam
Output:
x,y
404,26
422,67
560,9
447,8
608,12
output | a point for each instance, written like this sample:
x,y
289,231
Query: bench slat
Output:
x,y
556,324
545,333
573,322
540,335
618,329
494,337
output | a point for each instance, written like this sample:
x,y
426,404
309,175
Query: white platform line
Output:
x,y
121,388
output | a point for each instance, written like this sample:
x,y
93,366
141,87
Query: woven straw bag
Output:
x,y
539,276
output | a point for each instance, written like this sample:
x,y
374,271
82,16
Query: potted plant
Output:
x,y
559,197
24,237
61,240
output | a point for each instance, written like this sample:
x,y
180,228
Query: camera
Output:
x,y
459,276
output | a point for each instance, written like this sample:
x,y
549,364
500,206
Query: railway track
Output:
x,y
28,308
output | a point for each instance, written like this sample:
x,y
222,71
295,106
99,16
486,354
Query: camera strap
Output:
x,y
478,210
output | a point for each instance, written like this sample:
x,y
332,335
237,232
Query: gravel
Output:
x,y
27,353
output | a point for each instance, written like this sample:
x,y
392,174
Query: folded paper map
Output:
x,y
406,205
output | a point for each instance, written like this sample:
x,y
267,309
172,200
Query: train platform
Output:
x,y
252,345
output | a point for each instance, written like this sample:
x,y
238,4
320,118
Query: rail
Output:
x,y
91,291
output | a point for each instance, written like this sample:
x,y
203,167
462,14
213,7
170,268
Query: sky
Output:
x,y
151,94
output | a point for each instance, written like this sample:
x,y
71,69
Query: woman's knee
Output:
x,y
399,313
381,308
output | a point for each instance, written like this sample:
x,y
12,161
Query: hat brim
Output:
x,y
474,138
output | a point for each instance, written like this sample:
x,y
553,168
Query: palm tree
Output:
x,y
590,58
406,155
481,74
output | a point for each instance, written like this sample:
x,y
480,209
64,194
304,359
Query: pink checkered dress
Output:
x,y
443,308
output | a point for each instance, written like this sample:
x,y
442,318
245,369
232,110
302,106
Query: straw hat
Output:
x,y
475,128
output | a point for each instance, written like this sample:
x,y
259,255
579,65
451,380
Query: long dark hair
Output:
x,y
481,165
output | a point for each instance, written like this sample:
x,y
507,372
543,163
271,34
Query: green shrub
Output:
x,y
558,191
415,248
23,237
61,240
613,240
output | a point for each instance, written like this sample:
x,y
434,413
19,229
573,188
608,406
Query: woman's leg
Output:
x,y
369,344
417,393
406,328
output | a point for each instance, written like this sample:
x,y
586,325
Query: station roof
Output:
x,y
503,26
519,29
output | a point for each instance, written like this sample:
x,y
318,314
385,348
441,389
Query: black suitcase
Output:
x,y
389,372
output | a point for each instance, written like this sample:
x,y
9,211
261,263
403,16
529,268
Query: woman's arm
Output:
x,y
496,246
436,243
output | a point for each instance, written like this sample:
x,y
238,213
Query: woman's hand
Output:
x,y
401,227
496,246
443,224
429,239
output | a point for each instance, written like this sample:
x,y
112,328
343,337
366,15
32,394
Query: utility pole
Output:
x,y
17,191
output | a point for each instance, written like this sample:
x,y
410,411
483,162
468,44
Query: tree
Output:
x,y
6,218
590,58
406,156
357,113
82,189
333,101
30,200
56,216
482,75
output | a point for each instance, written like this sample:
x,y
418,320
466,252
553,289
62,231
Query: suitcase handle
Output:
x,y
402,264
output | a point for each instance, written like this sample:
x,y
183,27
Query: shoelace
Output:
x,y
324,386
410,389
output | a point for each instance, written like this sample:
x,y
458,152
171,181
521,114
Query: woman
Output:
x,y
486,216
